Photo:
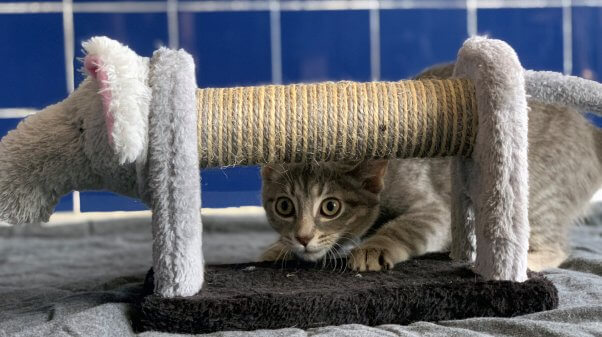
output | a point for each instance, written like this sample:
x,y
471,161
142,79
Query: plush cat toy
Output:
x,y
139,127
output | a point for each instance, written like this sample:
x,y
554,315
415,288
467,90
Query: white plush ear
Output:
x,y
122,77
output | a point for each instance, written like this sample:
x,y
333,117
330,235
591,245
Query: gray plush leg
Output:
x,y
498,185
463,247
172,171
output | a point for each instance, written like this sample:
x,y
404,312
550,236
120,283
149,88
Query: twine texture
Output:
x,y
335,121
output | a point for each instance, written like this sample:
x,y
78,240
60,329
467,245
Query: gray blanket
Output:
x,y
77,280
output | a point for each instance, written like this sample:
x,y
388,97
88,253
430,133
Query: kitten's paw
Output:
x,y
375,256
540,260
277,251
370,259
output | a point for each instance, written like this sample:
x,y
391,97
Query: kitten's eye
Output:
x,y
330,207
284,207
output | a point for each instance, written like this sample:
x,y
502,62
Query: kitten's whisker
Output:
x,y
348,236
336,249
333,259
285,251
329,253
280,253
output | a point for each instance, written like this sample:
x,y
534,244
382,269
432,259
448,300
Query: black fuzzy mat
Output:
x,y
265,295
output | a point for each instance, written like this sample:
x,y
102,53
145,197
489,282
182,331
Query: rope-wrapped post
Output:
x,y
335,121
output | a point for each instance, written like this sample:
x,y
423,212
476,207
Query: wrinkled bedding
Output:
x,y
78,280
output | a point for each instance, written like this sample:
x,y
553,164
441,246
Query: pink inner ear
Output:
x,y
93,65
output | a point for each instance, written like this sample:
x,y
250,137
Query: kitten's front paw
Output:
x,y
373,256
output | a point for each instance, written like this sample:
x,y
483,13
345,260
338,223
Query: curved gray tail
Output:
x,y
553,87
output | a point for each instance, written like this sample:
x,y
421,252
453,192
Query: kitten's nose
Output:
x,y
304,240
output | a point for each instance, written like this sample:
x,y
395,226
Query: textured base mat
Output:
x,y
268,296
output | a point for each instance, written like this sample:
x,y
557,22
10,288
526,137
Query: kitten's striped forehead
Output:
x,y
307,181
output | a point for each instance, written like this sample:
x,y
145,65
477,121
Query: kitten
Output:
x,y
389,211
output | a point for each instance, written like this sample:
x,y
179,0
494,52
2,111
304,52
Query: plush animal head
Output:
x,y
91,140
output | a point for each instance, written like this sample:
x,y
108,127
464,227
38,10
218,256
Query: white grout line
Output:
x,y
30,7
325,5
492,4
69,46
223,6
77,209
276,42
375,43
173,29
266,5
567,37
587,3
422,4
471,17
69,218
16,112
597,196
121,7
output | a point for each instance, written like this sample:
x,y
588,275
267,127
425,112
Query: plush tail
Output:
x,y
573,91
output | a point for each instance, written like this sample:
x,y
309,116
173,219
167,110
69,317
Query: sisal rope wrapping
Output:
x,y
335,121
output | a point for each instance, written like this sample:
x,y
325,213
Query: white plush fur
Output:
x,y
497,175
129,94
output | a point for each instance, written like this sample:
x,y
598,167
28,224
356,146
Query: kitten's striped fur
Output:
x,y
407,204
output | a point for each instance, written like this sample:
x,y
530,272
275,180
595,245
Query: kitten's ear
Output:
x,y
267,172
373,174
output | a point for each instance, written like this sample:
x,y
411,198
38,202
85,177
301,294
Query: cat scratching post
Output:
x,y
140,127
486,122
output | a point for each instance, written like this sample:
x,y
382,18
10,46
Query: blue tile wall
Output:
x,y
230,48
103,201
32,60
238,186
412,40
8,124
587,52
535,34
325,45
233,48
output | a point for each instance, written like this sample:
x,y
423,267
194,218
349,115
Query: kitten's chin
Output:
x,y
311,256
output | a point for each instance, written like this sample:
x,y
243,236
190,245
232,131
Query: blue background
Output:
x,y
233,48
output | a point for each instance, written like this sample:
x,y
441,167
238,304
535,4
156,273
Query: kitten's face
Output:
x,y
318,208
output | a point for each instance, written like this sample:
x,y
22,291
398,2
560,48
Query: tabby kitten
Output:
x,y
388,211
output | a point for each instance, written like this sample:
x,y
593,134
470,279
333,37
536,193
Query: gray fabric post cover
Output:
x,y
173,176
496,178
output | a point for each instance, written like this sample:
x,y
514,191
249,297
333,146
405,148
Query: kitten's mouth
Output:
x,y
312,255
